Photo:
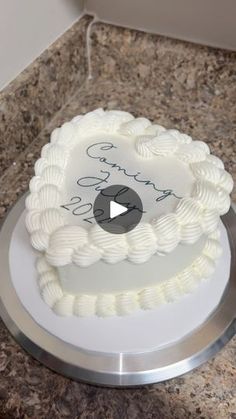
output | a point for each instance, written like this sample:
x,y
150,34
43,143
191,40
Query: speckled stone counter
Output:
x,y
177,84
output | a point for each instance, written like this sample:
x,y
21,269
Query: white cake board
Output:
x,y
142,331
116,340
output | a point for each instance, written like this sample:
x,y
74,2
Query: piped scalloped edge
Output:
x,y
194,216
121,304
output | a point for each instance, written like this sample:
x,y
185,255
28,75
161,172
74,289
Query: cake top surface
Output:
x,y
184,189
109,159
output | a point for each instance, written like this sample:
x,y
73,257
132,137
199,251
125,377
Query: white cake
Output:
x,y
84,270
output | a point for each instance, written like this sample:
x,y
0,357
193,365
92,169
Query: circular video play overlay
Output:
x,y
118,209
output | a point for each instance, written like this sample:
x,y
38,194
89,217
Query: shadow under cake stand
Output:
x,y
137,353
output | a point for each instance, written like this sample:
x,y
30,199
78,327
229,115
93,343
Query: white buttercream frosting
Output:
x,y
194,215
125,303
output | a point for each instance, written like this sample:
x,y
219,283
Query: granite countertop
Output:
x,y
177,84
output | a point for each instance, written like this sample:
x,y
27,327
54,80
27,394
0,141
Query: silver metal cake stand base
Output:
x,y
116,369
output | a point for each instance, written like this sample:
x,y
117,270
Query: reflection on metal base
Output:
x,y
117,369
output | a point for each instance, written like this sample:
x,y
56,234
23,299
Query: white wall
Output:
x,y
211,22
28,27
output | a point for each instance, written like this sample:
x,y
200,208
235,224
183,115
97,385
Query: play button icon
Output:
x,y
118,209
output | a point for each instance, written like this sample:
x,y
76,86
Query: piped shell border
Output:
x,y
195,215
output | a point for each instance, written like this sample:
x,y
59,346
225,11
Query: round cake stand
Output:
x,y
116,369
